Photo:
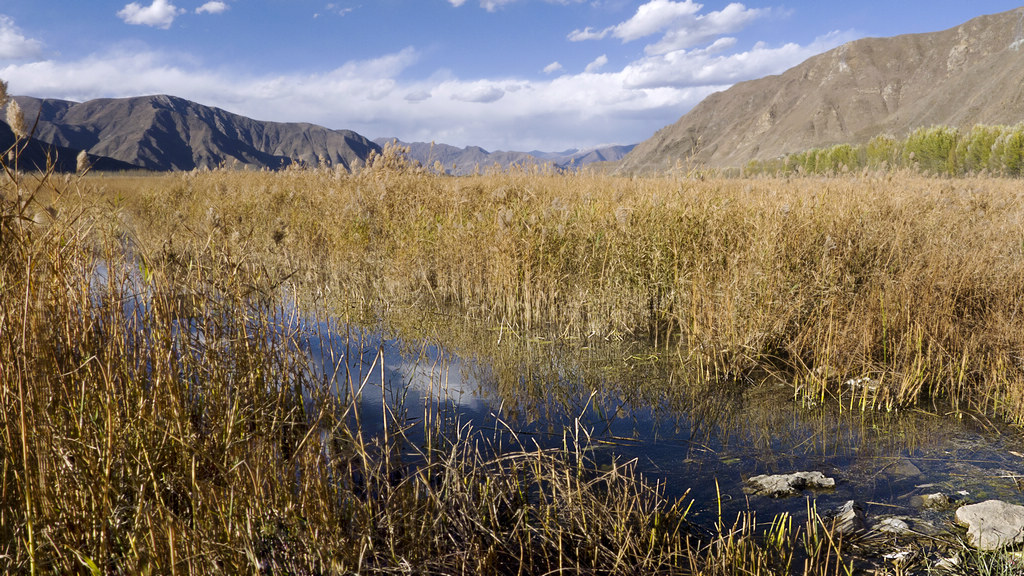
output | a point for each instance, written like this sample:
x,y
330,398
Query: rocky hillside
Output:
x,y
169,133
36,155
960,77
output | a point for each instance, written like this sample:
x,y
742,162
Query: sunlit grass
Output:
x,y
159,413
914,283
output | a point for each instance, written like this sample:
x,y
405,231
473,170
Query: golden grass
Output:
x,y
158,415
913,282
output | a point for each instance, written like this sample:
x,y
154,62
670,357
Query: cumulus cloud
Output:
x,y
698,30
597,64
680,23
588,33
655,17
710,66
214,7
481,94
558,113
14,45
159,14
552,68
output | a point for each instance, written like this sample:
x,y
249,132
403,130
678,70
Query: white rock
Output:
x,y
993,524
893,526
779,485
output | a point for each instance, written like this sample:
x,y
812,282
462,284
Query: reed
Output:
x,y
914,283
159,413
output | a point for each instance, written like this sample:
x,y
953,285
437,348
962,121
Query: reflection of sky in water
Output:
x,y
691,439
411,379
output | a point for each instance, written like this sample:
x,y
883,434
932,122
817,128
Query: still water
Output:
x,y
701,440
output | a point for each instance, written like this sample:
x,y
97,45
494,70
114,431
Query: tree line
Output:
x,y
938,150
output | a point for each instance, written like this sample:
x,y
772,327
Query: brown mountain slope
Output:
x,y
170,133
967,75
36,155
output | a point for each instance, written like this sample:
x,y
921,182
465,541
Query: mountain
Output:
x,y
967,75
36,155
602,154
462,161
170,133
459,161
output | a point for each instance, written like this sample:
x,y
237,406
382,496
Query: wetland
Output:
x,y
520,372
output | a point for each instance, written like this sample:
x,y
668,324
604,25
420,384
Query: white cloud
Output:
x,y
481,93
14,45
493,5
558,113
655,17
552,68
597,64
709,66
336,9
214,7
680,23
159,14
588,34
698,30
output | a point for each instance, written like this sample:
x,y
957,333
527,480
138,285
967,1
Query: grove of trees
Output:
x,y
938,150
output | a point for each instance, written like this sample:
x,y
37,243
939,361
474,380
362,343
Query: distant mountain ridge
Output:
x,y
970,74
170,133
165,133
462,161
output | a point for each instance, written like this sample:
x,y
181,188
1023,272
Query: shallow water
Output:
x,y
702,441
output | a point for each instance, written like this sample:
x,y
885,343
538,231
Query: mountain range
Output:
x,y
462,161
967,75
170,133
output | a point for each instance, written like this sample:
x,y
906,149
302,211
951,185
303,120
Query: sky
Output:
x,y
522,75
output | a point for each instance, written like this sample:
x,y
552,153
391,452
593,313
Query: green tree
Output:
x,y
932,149
842,158
974,150
882,152
1008,151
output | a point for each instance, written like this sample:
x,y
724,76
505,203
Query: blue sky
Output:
x,y
502,74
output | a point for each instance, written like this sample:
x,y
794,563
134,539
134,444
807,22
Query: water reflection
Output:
x,y
630,403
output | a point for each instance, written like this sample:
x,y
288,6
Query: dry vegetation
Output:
x,y
158,414
915,282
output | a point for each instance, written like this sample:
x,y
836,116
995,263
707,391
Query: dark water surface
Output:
x,y
703,440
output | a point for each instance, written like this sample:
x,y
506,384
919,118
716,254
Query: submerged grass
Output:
x,y
159,413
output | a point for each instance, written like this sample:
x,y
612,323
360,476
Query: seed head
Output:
x,y
16,119
3,93
83,162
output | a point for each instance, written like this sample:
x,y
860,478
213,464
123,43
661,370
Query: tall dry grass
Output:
x,y
160,415
911,282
